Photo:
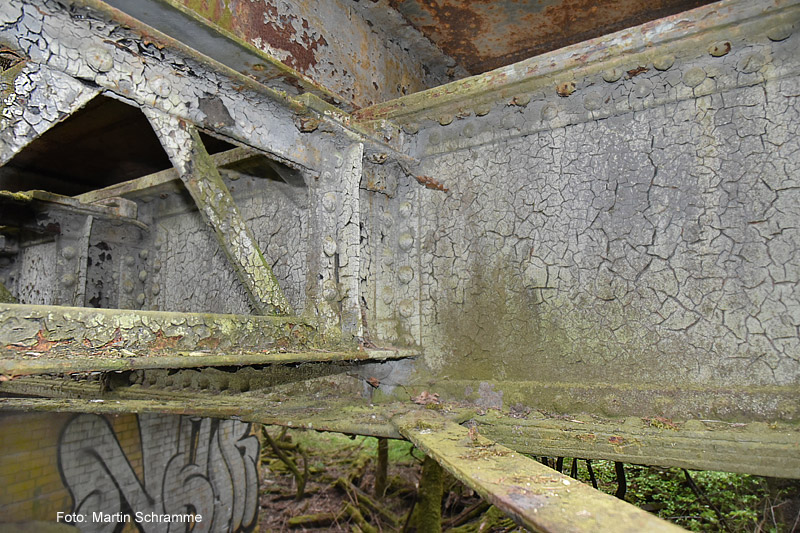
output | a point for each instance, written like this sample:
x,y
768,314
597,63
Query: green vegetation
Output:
x,y
340,493
743,502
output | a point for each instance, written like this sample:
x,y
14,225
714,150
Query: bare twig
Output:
x,y
702,495
299,478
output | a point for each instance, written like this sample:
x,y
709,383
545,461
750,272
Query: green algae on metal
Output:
x,y
534,495
5,296
218,208
756,448
27,326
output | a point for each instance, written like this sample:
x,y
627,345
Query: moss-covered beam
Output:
x,y
46,327
14,364
199,174
340,417
5,296
37,339
534,495
755,448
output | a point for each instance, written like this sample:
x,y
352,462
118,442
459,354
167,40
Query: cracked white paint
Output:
x,y
39,99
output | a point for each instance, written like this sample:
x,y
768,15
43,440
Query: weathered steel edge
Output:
x,y
563,63
69,204
146,31
315,101
42,311
757,448
160,178
29,366
746,403
534,495
336,416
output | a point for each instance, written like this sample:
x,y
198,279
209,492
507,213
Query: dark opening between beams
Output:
x,y
104,143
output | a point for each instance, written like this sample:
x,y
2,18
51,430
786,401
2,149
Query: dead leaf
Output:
x,y
426,398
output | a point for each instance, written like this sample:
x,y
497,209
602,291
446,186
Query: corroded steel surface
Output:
x,y
485,35
327,43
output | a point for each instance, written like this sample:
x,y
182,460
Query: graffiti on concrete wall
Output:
x,y
189,465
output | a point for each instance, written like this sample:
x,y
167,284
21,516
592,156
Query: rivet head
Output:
x,y
434,138
161,86
780,33
720,48
694,76
69,252
444,120
411,128
155,290
329,291
613,74
406,241
405,274
157,265
144,254
664,62
68,280
406,308
752,63
405,209
99,59
129,260
521,100
387,295
140,298
338,160
549,112
329,202
327,176
142,275
592,101
469,130
565,89
642,88
127,286
329,246
482,110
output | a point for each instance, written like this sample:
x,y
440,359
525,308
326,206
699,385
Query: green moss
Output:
x,y
6,296
428,512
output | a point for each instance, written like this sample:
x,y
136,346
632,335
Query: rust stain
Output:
x,y
211,343
431,183
636,71
485,34
42,344
163,342
264,24
565,89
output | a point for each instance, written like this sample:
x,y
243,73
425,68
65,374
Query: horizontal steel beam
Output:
x,y
754,448
535,496
19,362
145,183
683,33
